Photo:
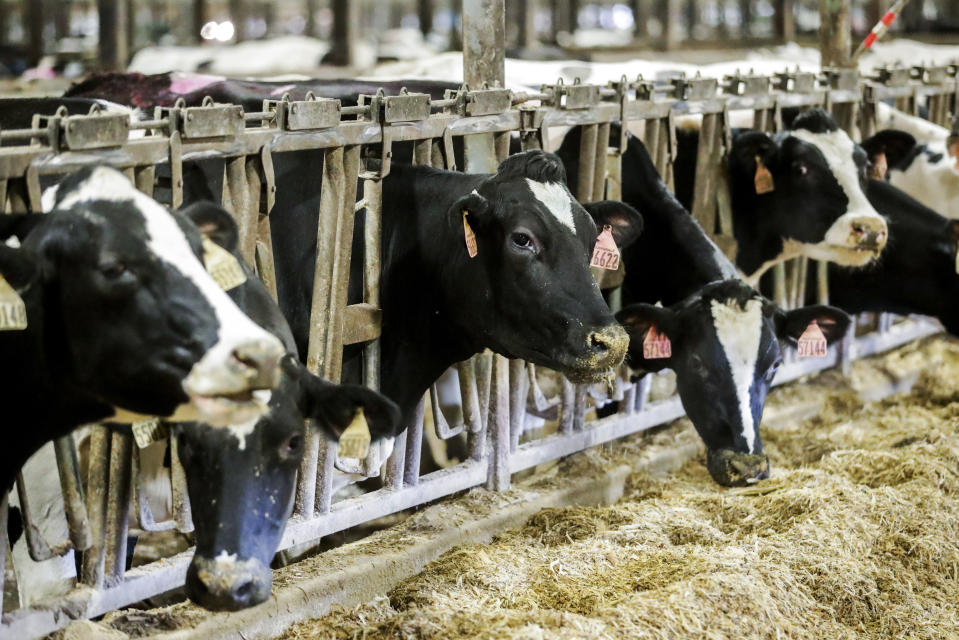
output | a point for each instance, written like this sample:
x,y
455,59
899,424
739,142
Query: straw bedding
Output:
x,y
856,535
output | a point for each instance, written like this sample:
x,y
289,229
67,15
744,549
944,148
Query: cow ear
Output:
x,y
833,322
893,144
18,266
639,320
334,406
625,222
749,150
214,222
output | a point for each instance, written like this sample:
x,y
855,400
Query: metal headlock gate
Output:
x,y
102,508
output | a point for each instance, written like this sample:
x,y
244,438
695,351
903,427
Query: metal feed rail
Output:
x,y
494,391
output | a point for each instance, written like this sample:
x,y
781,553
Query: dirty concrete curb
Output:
x,y
348,576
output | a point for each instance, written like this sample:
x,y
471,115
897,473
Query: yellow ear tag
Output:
x,y
470,237
880,166
13,312
763,179
148,431
222,266
355,440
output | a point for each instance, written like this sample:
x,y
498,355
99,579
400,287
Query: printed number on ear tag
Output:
x,y
222,266
605,253
812,342
355,440
13,311
763,180
149,431
656,345
470,237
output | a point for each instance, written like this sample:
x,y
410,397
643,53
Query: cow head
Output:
x,y
532,293
139,322
241,481
726,347
804,190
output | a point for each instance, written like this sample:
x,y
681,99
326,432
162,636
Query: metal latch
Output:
x,y
303,115
212,120
694,89
796,81
94,131
893,76
932,74
488,102
746,84
842,79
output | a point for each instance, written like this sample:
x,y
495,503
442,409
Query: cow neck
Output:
x,y
757,248
424,264
43,402
671,237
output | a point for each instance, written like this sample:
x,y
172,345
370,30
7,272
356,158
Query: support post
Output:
x,y
424,10
835,33
785,20
33,11
346,17
745,18
526,28
61,18
669,17
199,19
311,10
238,14
640,17
113,48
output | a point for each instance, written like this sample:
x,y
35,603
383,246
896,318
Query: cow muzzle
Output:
x,y
225,583
856,239
605,349
735,469
227,385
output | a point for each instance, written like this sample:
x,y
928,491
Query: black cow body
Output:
x,y
917,273
121,320
725,336
164,89
527,294
816,206
241,479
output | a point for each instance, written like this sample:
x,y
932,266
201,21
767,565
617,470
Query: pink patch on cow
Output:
x,y
281,90
190,82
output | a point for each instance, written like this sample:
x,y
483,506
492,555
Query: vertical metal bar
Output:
x,y
567,407
144,179
822,281
579,415
423,151
653,128
704,200
599,164
396,465
519,387
241,205
346,19
323,484
113,48
97,485
499,477
501,145
779,284
176,170
436,155
4,499
73,499
414,445
483,365
484,42
372,232
3,196
587,162
118,506
642,391
182,511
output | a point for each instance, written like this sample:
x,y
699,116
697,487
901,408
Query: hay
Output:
x,y
855,536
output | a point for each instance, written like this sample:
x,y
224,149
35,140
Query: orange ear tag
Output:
x,y
812,342
605,253
470,238
879,167
763,179
656,345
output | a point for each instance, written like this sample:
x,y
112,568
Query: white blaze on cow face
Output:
x,y
556,199
843,238
931,178
739,330
218,372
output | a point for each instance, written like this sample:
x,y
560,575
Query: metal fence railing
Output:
x,y
101,508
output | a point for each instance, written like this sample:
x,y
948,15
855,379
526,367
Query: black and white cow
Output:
x,y
164,89
929,172
816,206
527,293
917,272
122,320
726,338
241,479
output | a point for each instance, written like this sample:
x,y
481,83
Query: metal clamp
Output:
x,y
210,120
841,79
893,76
694,89
303,115
746,84
573,96
405,107
795,81
933,74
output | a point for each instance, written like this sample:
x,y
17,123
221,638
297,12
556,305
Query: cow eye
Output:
x,y
698,365
523,240
113,269
801,168
292,447
771,371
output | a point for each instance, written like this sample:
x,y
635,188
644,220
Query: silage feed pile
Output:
x,y
856,535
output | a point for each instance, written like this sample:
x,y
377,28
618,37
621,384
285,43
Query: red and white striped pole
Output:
x,y
880,29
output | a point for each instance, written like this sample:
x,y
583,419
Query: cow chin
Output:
x,y
735,469
847,256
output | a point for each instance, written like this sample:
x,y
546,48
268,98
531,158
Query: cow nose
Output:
x,y
607,346
259,362
870,233
227,584
735,469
